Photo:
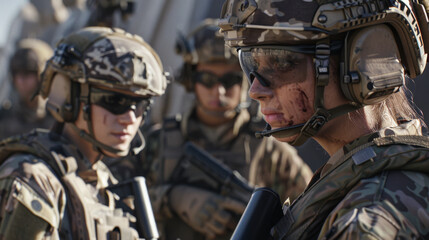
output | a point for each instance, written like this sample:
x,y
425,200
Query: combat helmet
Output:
x,y
99,57
366,35
204,44
30,55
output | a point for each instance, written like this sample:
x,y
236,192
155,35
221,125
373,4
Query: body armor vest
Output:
x,y
88,217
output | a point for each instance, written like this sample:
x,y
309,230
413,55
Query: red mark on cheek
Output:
x,y
105,119
301,101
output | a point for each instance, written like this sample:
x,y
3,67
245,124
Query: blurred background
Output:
x,y
158,22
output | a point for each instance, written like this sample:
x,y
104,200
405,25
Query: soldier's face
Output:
x,y
284,87
115,125
25,84
116,131
219,96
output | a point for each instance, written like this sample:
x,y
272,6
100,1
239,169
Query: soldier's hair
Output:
x,y
399,105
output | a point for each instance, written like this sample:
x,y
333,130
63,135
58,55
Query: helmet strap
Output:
x,y
321,115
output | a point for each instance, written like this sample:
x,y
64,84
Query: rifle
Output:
x,y
262,212
231,182
135,190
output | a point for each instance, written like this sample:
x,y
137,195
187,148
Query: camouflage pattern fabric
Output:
x,y
122,69
298,14
36,199
263,162
373,188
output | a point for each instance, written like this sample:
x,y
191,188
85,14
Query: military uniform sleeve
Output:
x,y
391,205
278,166
159,200
371,222
32,200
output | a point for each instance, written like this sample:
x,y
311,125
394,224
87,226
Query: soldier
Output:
x,y
184,202
99,84
335,71
22,112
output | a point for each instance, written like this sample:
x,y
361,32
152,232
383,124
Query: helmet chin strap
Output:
x,y
280,132
321,115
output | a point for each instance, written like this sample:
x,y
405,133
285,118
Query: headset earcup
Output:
x,y
372,67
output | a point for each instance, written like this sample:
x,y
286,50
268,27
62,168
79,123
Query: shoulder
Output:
x,y
35,188
282,153
385,206
32,170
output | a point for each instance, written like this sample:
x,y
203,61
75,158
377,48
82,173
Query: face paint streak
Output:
x,y
302,100
287,122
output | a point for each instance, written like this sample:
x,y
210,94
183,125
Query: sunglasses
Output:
x,y
118,103
209,79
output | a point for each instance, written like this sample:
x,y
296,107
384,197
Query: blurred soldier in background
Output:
x,y
336,71
99,84
220,124
22,112
36,19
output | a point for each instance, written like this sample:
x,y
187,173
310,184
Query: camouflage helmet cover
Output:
x,y
205,44
107,57
298,22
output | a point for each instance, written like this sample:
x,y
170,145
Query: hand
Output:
x,y
205,211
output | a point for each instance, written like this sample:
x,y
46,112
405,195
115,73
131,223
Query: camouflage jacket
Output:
x,y
49,191
16,118
263,162
374,188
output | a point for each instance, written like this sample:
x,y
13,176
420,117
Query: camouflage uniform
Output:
x,y
49,187
55,200
374,187
16,116
236,147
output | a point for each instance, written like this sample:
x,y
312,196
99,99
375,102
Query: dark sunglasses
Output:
x,y
209,79
118,103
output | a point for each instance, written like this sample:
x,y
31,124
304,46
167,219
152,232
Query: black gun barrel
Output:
x,y
212,167
144,210
262,212
136,189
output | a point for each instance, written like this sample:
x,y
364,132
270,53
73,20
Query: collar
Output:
x,y
412,127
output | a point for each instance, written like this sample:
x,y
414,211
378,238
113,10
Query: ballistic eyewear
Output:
x,y
269,62
209,79
118,103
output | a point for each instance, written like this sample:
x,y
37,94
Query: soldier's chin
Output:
x,y
285,136
120,153
289,140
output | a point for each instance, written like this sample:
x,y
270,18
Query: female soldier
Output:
x,y
335,71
